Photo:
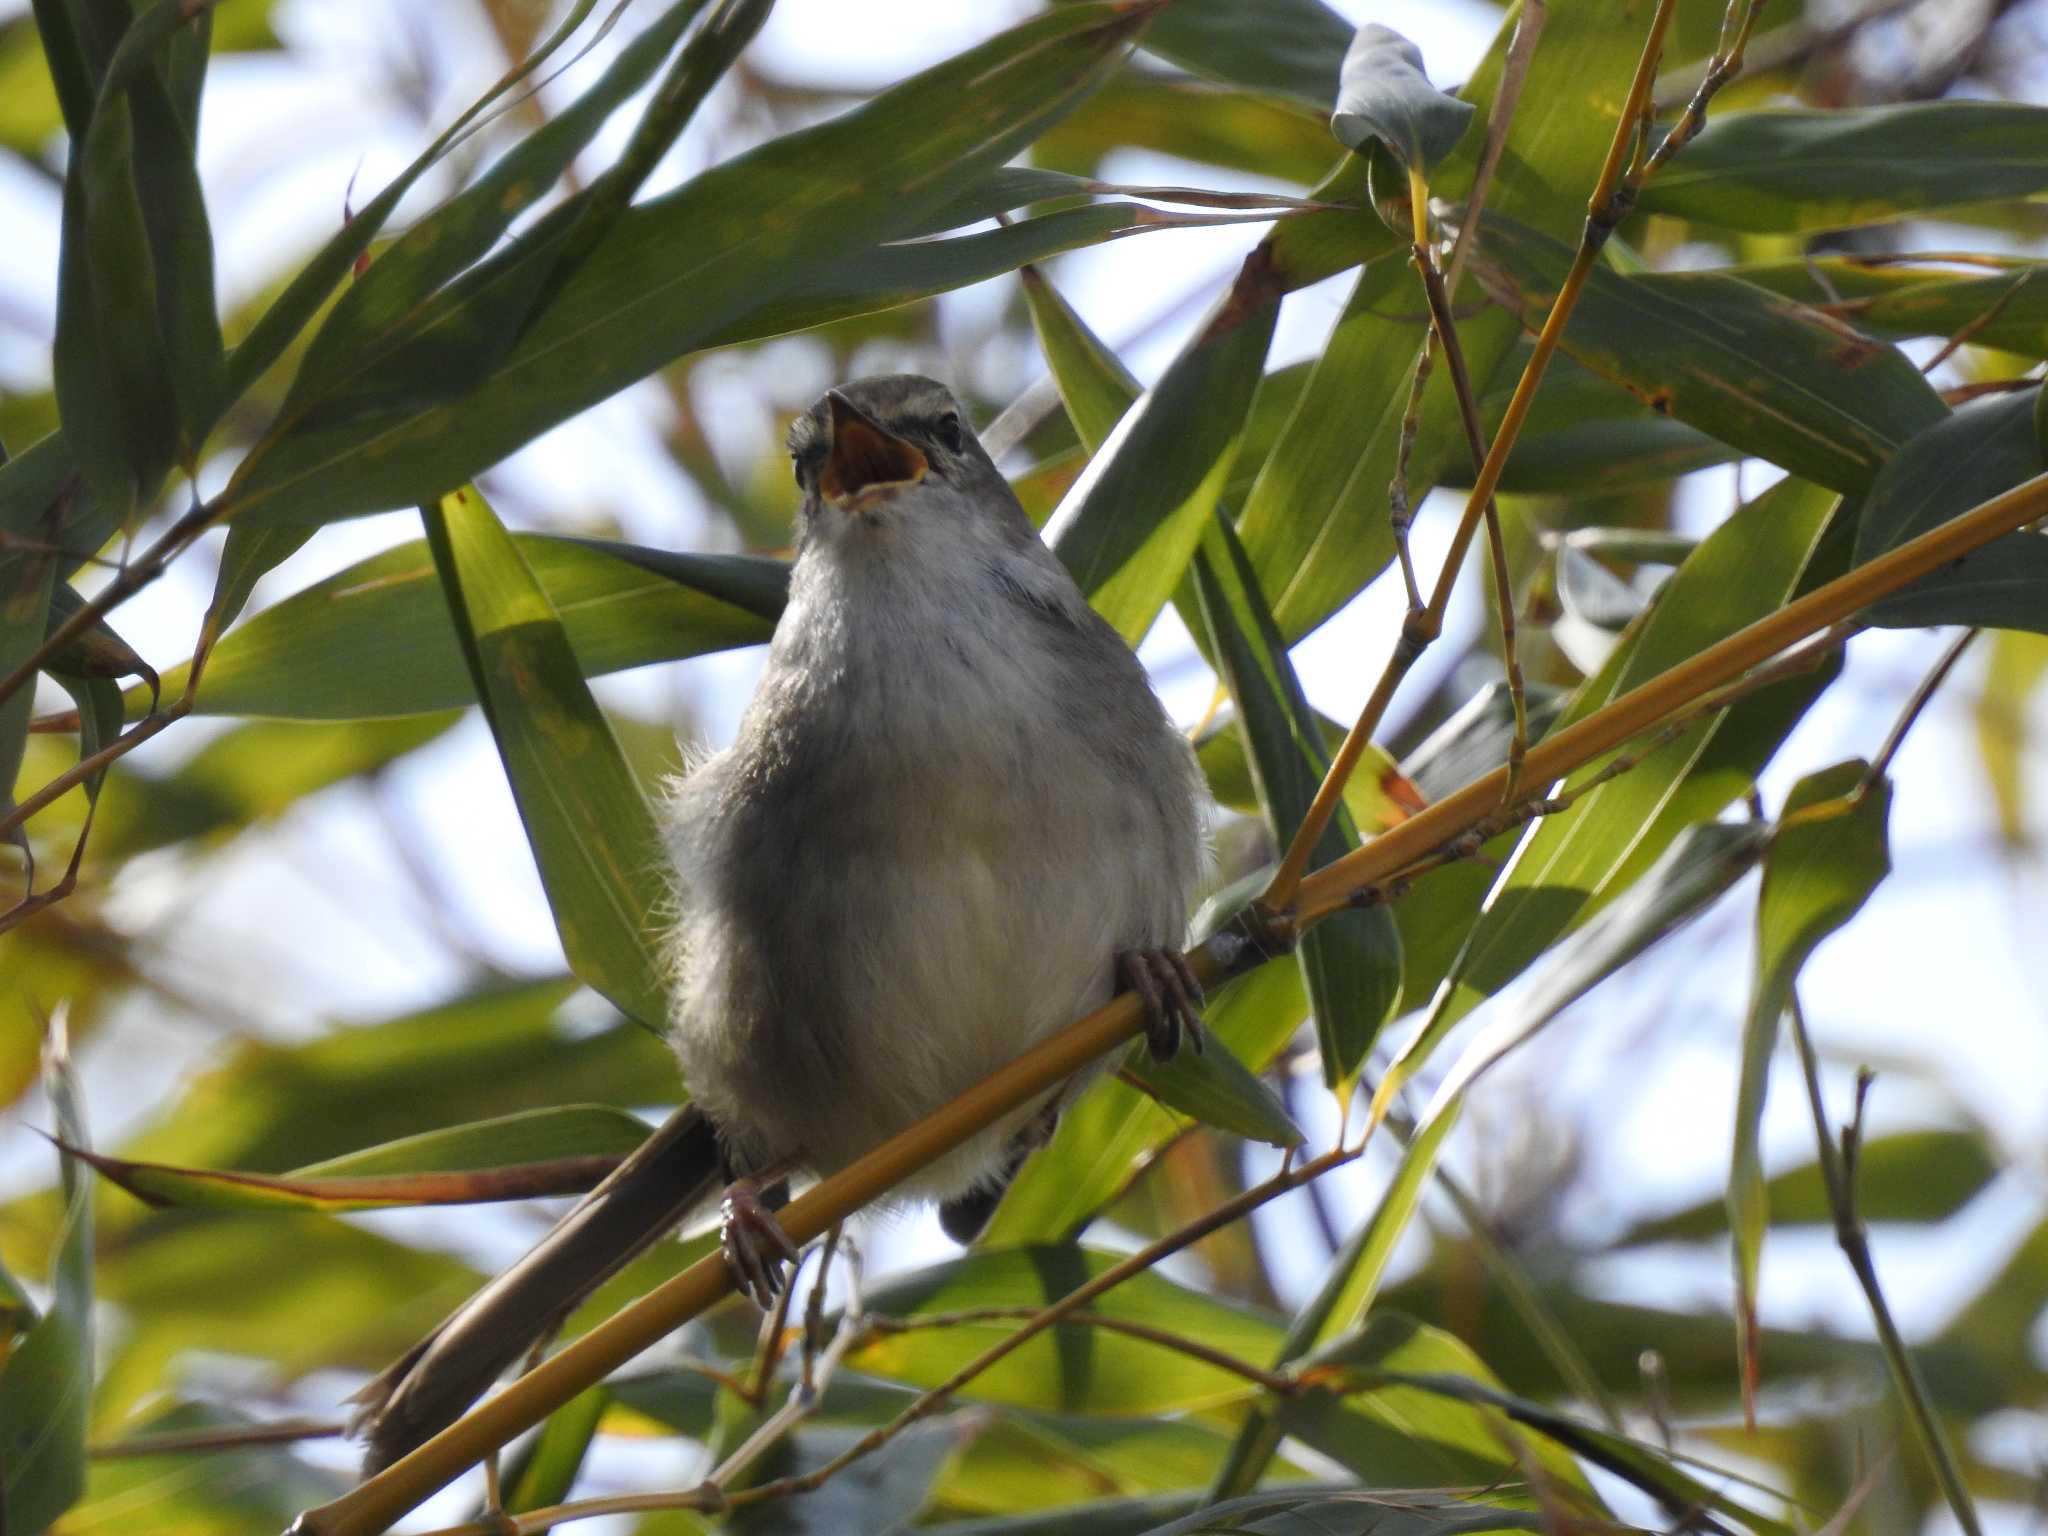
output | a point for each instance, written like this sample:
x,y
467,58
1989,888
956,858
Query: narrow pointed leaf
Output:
x,y
1351,963
394,344
1985,448
517,1157
1773,171
1649,1468
593,837
383,306
1826,856
1769,377
375,639
675,271
1922,1177
1214,1087
1134,519
1384,94
46,1381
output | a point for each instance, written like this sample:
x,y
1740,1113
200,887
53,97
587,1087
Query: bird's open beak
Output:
x,y
865,461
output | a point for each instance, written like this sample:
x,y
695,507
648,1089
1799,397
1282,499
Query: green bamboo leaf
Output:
x,y
1398,1433
374,640
1585,436
384,307
1094,385
1384,95
1922,1177
1825,857
544,1472
1985,448
562,1150
303,297
112,372
1289,50
498,1051
1316,519
676,271
1650,1468
1191,120
399,346
1773,171
1312,1512
594,839
1071,1368
1214,1087
96,652
1569,866
52,34
901,272
1351,964
46,1382
1134,519
1771,378
1104,1134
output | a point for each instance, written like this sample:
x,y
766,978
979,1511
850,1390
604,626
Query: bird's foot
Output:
x,y
1172,995
754,1244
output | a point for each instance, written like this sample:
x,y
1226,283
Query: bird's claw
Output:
x,y
1172,997
753,1242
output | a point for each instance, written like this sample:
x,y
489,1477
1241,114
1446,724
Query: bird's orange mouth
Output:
x,y
866,462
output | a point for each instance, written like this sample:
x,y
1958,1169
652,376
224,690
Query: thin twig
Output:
x,y
1922,696
178,1441
930,1401
1838,1172
1271,1381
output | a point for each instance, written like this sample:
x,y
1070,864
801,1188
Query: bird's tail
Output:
x,y
434,1383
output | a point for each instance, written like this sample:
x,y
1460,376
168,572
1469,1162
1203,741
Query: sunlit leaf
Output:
x,y
556,1151
375,640
1825,857
593,836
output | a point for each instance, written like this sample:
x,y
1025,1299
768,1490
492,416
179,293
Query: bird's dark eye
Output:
x,y
947,430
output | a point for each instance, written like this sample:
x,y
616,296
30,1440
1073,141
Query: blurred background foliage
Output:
x,y
313,918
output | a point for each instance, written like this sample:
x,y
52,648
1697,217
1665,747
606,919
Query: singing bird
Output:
x,y
955,818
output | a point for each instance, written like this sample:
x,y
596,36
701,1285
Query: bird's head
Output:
x,y
891,459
